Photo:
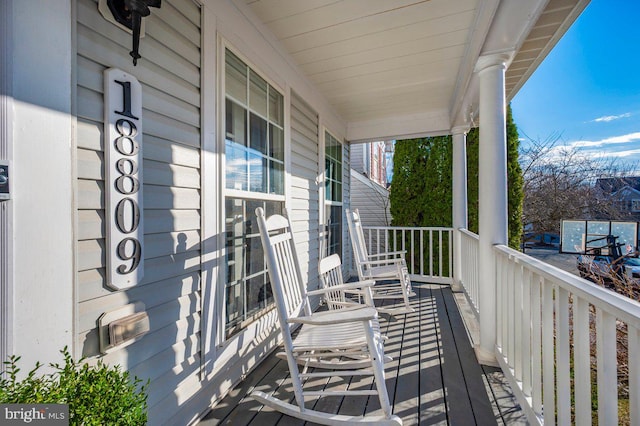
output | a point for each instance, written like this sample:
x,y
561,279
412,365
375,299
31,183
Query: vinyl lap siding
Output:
x,y
304,188
347,253
371,199
169,72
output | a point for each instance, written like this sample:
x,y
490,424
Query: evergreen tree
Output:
x,y
515,183
421,193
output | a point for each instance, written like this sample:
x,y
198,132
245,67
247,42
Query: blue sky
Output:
x,y
587,90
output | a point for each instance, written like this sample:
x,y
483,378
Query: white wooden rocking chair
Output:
x,y
352,331
336,295
388,269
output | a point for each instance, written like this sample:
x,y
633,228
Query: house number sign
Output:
x,y
123,178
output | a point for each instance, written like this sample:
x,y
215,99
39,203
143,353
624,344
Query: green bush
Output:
x,y
97,395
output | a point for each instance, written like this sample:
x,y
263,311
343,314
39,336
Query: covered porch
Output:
x,y
566,350
434,377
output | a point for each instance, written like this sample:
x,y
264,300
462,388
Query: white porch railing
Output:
x,y
561,340
429,250
556,333
469,278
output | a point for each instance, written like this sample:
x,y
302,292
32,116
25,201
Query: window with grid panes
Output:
x,y
333,193
254,177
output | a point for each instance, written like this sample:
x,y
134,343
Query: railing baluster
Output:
x,y
500,314
422,252
517,322
526,332
634,374
510,312
582,360
548,367
606,349
563,386
439,253
536,347
412,252
431,252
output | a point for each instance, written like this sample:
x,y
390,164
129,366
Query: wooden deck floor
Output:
x,y
434,378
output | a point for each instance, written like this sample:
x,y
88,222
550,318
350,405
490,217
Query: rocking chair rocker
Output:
x,y
325,338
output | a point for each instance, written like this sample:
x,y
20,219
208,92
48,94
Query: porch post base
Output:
x,y
456,285
485,357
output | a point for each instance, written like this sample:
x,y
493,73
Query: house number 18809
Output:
x,y
122,111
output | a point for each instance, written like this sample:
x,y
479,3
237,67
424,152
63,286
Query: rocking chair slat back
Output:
x,y
330,271
290,297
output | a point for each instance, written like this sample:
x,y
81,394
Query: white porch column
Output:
x,y
42,180
492,188
459,199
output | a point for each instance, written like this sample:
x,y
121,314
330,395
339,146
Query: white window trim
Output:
x,y
323,195
221,341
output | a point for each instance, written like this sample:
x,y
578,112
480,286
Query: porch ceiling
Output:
x,y
394,68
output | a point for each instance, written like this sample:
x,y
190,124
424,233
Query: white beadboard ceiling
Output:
x,y
398,68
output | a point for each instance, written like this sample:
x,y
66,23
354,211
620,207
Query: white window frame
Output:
x,y
221,338
325,202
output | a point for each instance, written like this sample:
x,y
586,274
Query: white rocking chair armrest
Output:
x,y
389,253
355,286
355,314
383,262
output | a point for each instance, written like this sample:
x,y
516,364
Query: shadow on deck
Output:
x,y
434,377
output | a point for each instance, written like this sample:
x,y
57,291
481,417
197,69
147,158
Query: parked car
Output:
x,y
607,268
541,239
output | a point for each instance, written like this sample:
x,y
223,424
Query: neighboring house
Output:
x,y
624,192
369,192
370,160
371,199
127,193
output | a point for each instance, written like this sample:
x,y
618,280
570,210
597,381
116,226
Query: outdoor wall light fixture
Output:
x,y
129,14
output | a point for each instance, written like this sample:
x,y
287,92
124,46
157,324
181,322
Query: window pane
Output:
x,y
258,293
236,78
257,172
333,169
234,224
258,135
236,166
336,192
234,304
276,181
276,106
276,147
257,94
334,228
273,207
255,254
236,122
248,291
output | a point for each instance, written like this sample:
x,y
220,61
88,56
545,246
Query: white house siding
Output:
x,y
358,157
305,196
371,199
169,355
347,252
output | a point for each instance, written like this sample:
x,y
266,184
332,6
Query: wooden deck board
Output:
x,y
434,378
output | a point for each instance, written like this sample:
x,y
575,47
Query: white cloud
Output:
x,y
629,137
623,154
607,118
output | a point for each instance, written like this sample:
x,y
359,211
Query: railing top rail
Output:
x,y
468,233
623,308
409,228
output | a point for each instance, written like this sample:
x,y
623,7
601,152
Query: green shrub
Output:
x,y
96,395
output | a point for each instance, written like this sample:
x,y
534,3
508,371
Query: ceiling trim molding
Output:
x,y
482,24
